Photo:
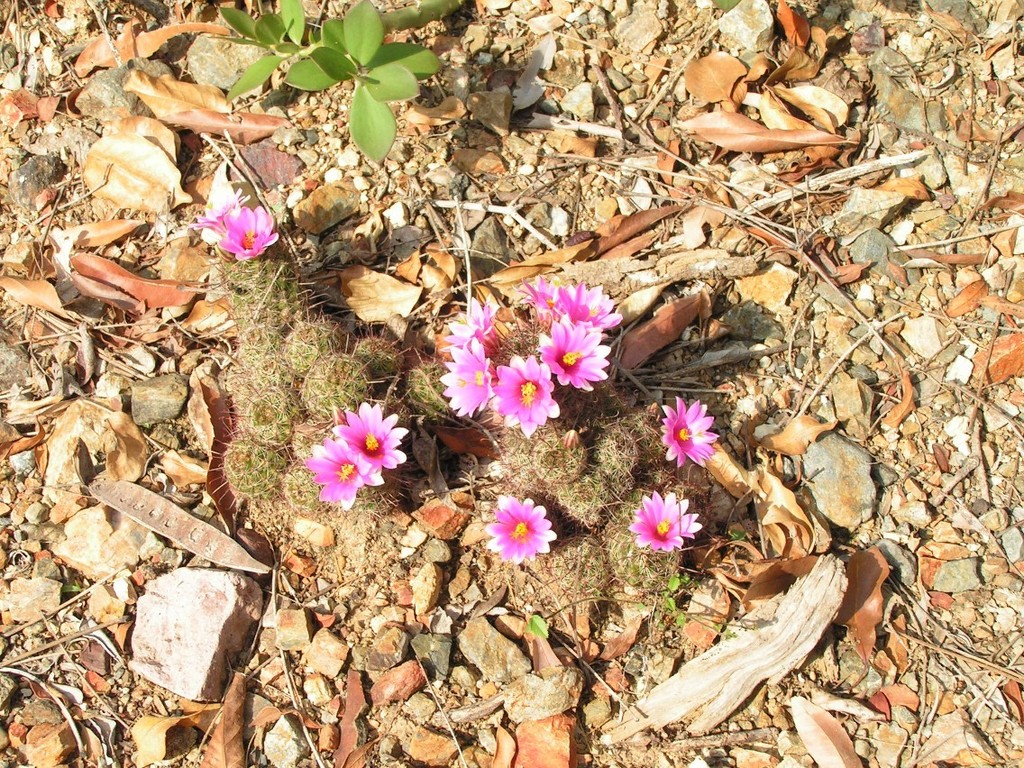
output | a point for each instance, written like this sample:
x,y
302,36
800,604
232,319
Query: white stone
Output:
x,y
284,745
560,222
900,231
960,370
397,215
580,101
333,175
748,26
925,335
348,158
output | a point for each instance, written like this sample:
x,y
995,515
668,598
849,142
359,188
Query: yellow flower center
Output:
x,y
520,532
683,435
249,240
663,527
479,378
570,358
371,443
528,390
345,472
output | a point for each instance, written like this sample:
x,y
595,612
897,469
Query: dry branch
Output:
x,y
771,642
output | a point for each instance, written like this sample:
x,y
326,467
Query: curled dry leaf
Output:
x,y
423,118
824,107
739,482
712,78
906,405
622,642
968,300
776,579
226,748
150,293
788,530
824,737
376,297
797,435
39,294
98,52
148,128
506,749
774,113
133,172
95,233
621,228
798,31
861,610
890,696
241,127
150,733
641,342
736,132
165,95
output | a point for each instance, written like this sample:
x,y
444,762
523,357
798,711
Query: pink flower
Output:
x,y
522,531
575,354
217,210
541,296
661,524
685,432
469,381
580,304
340,471
476,323
372,438
250,231
523,394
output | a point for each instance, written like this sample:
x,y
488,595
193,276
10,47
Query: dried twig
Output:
x,y
501,210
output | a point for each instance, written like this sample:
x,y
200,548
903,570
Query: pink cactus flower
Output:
x,y
580,304
340,471
373,438
250,231
541,295
685,433
477,322
218,208
469,379
575,354
522,530
661,523
523,394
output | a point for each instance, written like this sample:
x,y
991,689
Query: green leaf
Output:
x,y
308,76
255,75
726,5
241,22
288,49
336,64
391,82
674,582
270,29
371,125
332,33
294,19
536,625
670,604
417,59
364,31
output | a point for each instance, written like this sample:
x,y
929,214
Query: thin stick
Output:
x,y
447,721
977,661
501,210
728,739
57,699
554,123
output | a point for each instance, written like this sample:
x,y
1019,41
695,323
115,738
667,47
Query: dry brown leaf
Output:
x,y
797,435
625,640
165,95
467,440
889,696
183,470
776,579
505,752
214,408
150,734
451,108
33,293
98,54
96,233
241,127
912,188
579,252
151,293
861,610
774,113
619,229
1011,690
824,107
376,297
800,65
641,342
148,128
1007,359
209,319
631,248
823,736
788,530
226,748
1003,306
798,31
355,702
712,78
133,172
968,299
478,161
21,444
739,482
1011,201
906,405
738,133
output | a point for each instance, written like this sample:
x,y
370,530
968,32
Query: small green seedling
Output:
x,y
675,583
536,625
351,48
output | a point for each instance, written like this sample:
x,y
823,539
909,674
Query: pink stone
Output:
x,y
440,520
398,684
546,743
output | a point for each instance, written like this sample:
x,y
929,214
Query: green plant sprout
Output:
x,y
675,582
351,48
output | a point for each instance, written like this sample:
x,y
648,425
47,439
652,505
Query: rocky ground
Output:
x,y
809,220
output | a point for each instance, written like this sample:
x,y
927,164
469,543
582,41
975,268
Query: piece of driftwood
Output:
x,y
767,645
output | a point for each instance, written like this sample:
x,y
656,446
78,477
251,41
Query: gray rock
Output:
x,y
839,473
580,101
1013,545
36,175
7,689
900,560
30,599
534,697
747,26
104,97
866,209
497,657
958,575
961,10
285,745
190,625
436,551
388,649
161,398
925,335
492,109
490,248
325,207
434,653
749,321
872,247
638,30
14,370
852,399
894,102
218,61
